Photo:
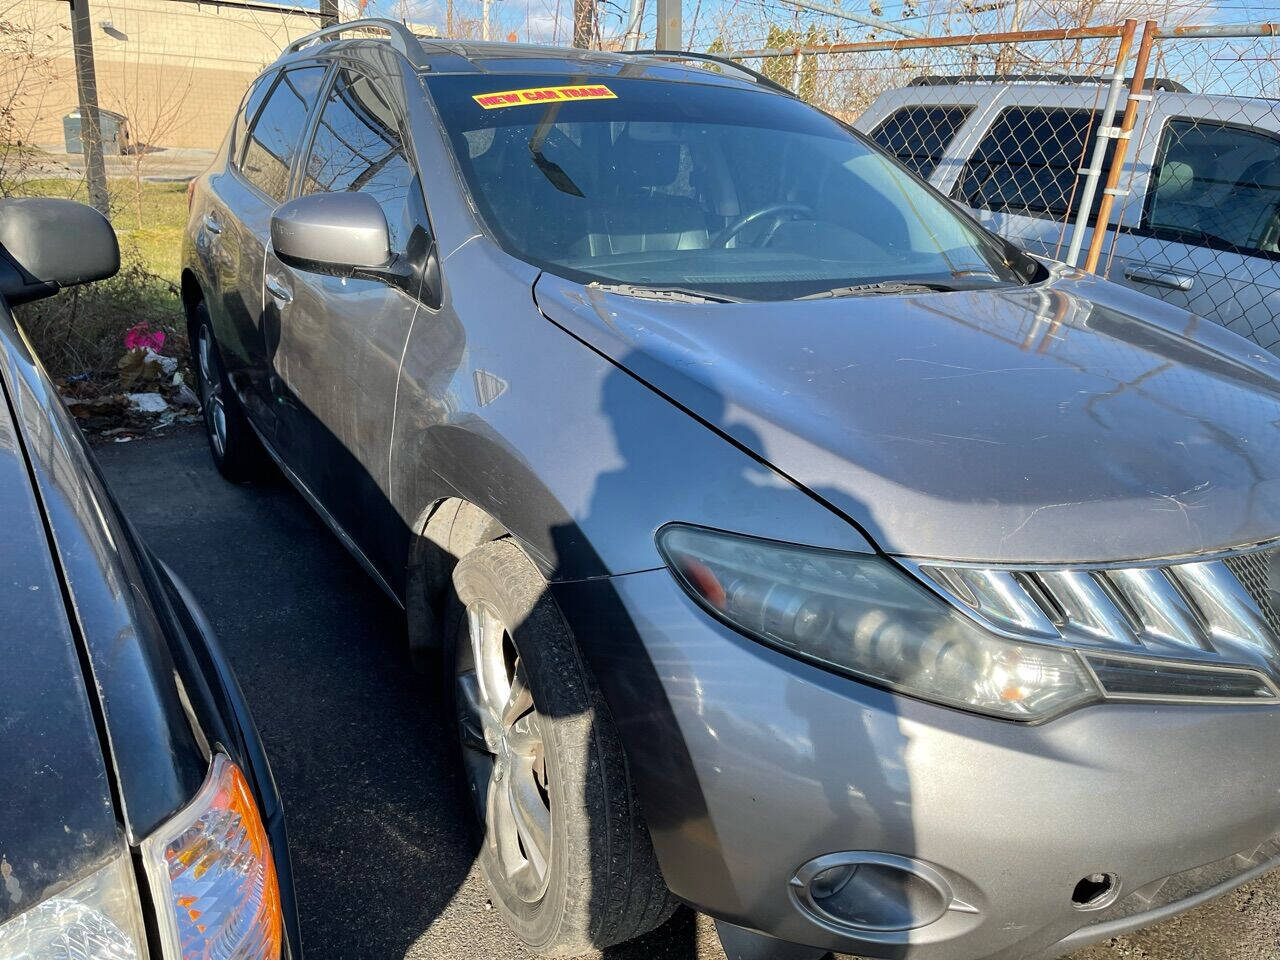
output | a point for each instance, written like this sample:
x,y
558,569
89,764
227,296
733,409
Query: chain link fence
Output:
x,y
1198,210
1150,156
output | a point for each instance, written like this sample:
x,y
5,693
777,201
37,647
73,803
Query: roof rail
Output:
x,y
402,39
1152,83
747,72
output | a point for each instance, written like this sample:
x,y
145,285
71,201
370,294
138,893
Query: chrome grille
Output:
x,y
1253,570
1217,609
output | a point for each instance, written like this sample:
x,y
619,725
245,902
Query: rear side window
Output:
x,y
1217,185
1030,162
252,101
358,146
275,134
919,136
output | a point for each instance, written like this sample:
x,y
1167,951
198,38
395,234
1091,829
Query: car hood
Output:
x,y
1069,421
57,817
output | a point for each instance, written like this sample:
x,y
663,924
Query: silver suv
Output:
x,y
1199,226
792,546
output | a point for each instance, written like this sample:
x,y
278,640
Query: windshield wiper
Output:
x,y
885,287
671,294
555,173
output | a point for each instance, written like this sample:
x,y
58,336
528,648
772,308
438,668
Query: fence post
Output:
x,y
1122,146
1105,133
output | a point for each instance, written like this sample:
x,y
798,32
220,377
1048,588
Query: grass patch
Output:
x,y
81,330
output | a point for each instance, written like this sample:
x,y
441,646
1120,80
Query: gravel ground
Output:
x,y
382,852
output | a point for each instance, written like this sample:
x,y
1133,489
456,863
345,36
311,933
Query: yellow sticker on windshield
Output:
x,y
516,98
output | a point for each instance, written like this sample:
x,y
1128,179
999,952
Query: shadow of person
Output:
x,y
845,785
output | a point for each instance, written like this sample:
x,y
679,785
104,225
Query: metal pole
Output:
x,y
1105,132
1009,55
484,19
635,16
1220,30
1122,147
670,35
90,120
855,17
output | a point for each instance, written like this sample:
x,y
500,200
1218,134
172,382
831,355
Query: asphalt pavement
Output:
x,y
383,853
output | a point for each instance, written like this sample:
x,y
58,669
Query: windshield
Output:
x,y
698,187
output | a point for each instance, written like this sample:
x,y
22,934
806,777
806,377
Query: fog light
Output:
x,y
873,892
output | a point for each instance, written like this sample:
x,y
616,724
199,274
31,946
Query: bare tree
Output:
x,y
154,99
29,38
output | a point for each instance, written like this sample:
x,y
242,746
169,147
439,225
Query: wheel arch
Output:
x,y
485,495
192,292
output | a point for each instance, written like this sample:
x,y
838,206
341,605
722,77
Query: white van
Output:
x,y
1200,226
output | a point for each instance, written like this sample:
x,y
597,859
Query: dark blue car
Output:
x,y
138,816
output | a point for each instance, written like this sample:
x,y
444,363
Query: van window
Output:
x,y
920,135
274,137
1217,185
1029,162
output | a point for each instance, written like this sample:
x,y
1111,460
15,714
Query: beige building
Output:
x,y
175,68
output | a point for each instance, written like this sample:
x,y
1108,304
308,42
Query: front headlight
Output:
x,y
212,876
864,617
96,918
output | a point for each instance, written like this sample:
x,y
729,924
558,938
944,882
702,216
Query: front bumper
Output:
x,y
749,764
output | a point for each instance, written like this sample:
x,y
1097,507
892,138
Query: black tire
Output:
x,y
603,885
235,448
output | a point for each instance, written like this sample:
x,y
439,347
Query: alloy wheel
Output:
x,y
211,400
503,752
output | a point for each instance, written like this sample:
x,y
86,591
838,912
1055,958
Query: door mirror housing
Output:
x,y
48,243
336,233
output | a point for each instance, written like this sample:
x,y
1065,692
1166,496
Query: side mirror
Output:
x,y
336,233
48,243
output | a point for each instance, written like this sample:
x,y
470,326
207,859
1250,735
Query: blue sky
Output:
x,y
548,21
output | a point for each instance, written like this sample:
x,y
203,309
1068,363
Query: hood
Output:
x,y
1065,422
57,820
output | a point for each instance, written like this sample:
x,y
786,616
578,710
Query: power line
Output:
x,y
862,18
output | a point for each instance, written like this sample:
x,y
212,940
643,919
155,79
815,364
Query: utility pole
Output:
x,y
90,121
669,28
635,16
484,19
328,12
583,23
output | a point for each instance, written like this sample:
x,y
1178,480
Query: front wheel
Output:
x,y
565,853
235,448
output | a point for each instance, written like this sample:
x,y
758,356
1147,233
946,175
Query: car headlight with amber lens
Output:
x,y
862,616
212,875
96,918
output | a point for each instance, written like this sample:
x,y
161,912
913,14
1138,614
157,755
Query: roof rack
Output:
x,y
402,39
1152,83
747,72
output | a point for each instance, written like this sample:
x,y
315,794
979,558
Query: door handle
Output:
x,y
278,289
211,224
1158,277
